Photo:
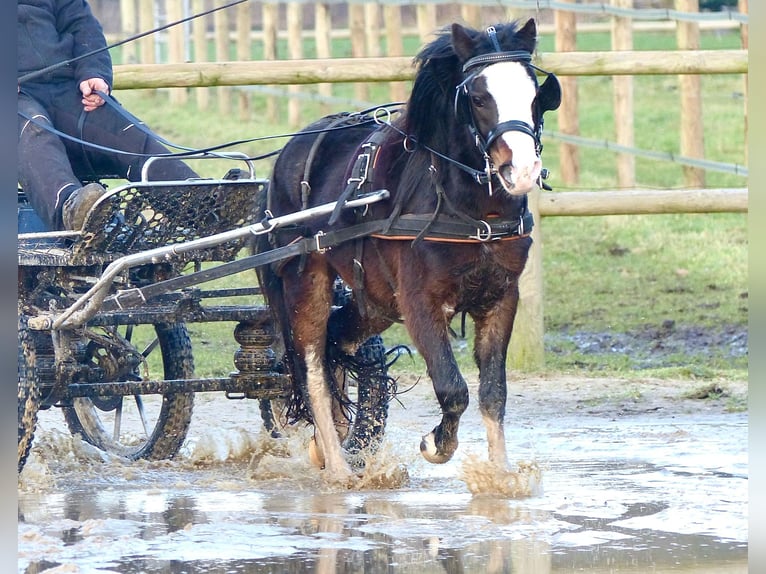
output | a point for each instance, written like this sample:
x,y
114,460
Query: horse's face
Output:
x,y
501,101
501,95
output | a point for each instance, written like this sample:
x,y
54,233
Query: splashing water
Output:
x,y
485,477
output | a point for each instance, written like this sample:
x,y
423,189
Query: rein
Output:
x,y
189,151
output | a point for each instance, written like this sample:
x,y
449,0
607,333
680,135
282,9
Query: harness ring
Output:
x,y
479,236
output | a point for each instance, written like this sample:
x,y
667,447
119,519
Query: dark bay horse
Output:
x,y
452,237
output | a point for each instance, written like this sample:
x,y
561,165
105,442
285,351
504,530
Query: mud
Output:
x,y
609,476
653,347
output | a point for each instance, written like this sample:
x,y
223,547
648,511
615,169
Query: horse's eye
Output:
x,y
477,101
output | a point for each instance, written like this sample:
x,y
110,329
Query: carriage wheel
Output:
x,y
147,426
28,392
373,393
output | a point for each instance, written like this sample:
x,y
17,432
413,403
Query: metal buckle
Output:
x,y
317,237
363,163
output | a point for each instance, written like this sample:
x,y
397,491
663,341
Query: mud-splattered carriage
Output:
x,y
104,315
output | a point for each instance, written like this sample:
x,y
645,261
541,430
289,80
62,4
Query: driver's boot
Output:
x,y
77,205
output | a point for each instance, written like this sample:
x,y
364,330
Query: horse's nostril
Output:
x,y
506,172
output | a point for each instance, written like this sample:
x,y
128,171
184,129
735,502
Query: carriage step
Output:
x,y
265,385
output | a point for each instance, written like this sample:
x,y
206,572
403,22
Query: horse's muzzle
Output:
x,y
520,180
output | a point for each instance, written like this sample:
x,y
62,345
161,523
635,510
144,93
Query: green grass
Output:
x,y
644,279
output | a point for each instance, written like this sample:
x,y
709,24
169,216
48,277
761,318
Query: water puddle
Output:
x,y
649,492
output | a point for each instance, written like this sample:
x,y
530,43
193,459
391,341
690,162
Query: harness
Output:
x,y
446,224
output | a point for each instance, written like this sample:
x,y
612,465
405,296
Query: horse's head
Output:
x,y
501,101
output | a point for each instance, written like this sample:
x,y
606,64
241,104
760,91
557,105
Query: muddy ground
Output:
x,y
662,346
631,476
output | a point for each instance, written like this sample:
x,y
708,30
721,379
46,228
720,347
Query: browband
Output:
x,y
495,57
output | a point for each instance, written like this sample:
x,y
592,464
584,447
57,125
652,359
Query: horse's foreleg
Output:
x,y
493,334
451,390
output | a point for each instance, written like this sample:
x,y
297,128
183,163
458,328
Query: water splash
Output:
x,y
485,477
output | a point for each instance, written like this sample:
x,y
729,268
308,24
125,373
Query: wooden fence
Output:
x,y
292,30
367,64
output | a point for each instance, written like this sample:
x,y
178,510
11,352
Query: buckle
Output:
x,y
317,240
483,235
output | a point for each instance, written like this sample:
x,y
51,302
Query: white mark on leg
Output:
x,y
336,467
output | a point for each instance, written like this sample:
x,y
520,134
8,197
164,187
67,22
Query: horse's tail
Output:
x,y
272,289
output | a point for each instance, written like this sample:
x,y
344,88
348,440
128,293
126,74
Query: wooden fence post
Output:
x,y
392,15
129,20
199,32
569,123
270,25
221,22
622,39
295,52
372,29
176,47
147,43
244,53
471,14
323,29
358,42
692,121
426,15
527,350
744,31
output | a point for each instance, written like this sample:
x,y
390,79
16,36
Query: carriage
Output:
x,y
367,219
104,314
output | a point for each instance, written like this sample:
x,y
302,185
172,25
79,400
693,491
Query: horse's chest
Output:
x,y
484,280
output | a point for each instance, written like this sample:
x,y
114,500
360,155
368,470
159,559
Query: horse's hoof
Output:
x,y
430,451
316,456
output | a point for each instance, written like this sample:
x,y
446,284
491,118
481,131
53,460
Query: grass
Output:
x,y
623,295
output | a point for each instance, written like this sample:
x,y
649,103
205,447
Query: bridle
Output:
x,y
464,111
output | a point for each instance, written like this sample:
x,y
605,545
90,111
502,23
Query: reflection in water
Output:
x,y
217,532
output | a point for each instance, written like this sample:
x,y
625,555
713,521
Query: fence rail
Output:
x,y
388,69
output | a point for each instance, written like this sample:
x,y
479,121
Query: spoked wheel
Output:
x,y
367,394
28,392
149,426
373,393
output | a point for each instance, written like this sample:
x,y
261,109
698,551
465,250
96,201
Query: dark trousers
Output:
x,y
51,168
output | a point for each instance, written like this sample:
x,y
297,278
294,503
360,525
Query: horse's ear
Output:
x,y
528,35
462,43
549,94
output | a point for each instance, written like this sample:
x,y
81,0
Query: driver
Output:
x,y
66,98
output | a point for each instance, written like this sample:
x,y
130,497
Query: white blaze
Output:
x,y
514,91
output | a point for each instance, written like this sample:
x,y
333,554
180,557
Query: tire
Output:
x,y
369,403
28,393
114,424
374,390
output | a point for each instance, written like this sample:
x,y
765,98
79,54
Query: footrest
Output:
x,y
145,215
